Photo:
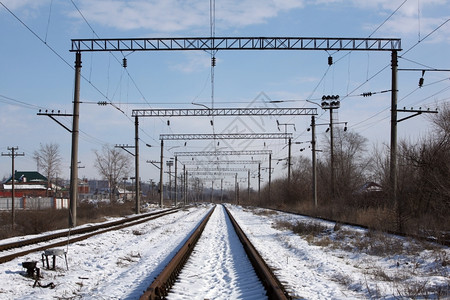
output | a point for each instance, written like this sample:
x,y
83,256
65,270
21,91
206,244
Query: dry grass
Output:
x,y
128,259
265,212
38,221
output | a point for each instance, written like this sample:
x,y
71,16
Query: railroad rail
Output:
x,y
161,285
78,234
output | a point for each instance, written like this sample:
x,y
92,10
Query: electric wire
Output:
x,y
48,21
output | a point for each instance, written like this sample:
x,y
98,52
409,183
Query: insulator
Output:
x,y
421,82
124,62
330,60
213,61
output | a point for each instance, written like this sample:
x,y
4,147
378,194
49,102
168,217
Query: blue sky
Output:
x,y
37,72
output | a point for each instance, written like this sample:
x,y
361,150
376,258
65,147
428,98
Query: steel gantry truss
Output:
x,y
214,44
206,112
217,170
236,43
219,162
223,153
224,136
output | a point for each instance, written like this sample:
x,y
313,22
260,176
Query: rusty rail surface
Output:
x,y
90,231
161,285
274,288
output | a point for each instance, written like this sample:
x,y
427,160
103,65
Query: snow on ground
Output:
x,y
114,265
347,263
218,267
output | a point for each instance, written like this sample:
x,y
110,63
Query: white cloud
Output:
x,y
195,61
30,4
177,15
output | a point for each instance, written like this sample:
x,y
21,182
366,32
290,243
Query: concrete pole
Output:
x,y
184,185
176,188
136,165
314,160
13,190
259,183
393,152
248,186
74,156
332,156
212,191
289,162
236,189
221,190
186,182
161,172
270,175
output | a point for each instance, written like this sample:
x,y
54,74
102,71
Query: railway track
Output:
x,y
10,251
219,260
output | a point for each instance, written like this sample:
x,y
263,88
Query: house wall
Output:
x,y
34,203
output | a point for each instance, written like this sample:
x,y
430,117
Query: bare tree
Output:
x,y
351,162
48,158
428,173
112,165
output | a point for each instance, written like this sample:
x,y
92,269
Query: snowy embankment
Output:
x,y
115,265
346,263
335,263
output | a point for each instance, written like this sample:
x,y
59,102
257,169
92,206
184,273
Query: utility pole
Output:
x,y
259,183
331,103
289,162
314,161
136,165
176,188
332,155
13,155
184,185
161,172
236,196
393,152
75,132
186,182
212,191
270,175
169,163
221,190
248,186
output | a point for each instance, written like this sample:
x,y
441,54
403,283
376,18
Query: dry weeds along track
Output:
x,y
75,235
161,286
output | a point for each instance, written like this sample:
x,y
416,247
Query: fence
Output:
x,y
34,203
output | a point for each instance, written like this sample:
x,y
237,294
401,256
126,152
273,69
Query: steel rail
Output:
x,y
274,288
83,233
161,285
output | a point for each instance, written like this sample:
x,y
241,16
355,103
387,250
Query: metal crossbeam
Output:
x,y
235,43
225,136
195,112
224,153
212,174
217,170
218,162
